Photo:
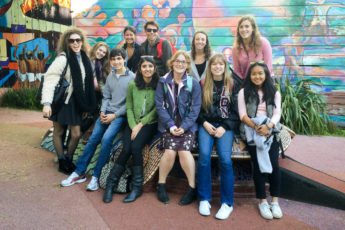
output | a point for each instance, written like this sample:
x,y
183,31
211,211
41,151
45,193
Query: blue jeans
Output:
x,y
104,133
224,149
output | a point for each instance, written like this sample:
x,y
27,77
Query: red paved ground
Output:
x,y
31,198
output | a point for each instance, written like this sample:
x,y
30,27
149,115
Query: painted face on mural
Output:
x,y
151,33
75,42
217,68
200,41
246,29
257,76
101,52
29,55
180,64
40,55
21,56
129,37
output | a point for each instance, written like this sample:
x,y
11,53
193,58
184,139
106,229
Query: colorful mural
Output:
x,y
29,31
307,36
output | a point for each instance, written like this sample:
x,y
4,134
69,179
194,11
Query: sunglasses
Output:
x,y
152,30
257,62
147,56
71,40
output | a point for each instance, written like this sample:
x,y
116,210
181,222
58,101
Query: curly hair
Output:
x,y
207,48
174,57
105,60
268,88
63,45
208,84
255,40
139,80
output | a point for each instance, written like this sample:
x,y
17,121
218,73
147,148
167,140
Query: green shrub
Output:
x,y
303,110
22,98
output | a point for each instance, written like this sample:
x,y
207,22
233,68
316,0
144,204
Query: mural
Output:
x,y
29,31
307,36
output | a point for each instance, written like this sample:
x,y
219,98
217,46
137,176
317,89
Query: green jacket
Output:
x,y
134,103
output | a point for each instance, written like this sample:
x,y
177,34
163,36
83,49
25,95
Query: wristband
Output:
x,y
172,128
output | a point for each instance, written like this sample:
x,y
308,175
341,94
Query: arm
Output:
x,y
235,62
243,111
150,117
187,122
47,58
15,53
129,106
163,114
106,94
267,54
35,50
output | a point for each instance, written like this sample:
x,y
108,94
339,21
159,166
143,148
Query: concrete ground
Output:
x,y
31,197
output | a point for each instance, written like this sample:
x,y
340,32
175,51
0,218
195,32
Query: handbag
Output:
x,y
60,92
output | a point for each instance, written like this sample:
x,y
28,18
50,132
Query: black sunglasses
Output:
x,y
151,30
71,40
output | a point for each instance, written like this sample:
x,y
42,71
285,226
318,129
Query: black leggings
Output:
x,y
135,147
260,178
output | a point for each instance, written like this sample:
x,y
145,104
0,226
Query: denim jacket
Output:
x,y
165,103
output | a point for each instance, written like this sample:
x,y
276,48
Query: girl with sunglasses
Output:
x,y
259,105
249,47
72,53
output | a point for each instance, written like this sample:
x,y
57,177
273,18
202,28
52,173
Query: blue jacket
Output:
x,y
165,103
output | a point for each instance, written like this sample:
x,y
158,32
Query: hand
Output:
x,y
210,128
179,131
220,132
47,111
263,130
136,129
108,118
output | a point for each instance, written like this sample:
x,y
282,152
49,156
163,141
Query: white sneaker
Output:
x,y
204,208
93,185
265,211
72,179
224,212
276,211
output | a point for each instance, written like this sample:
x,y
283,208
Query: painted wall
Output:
x,y
307,36
29,31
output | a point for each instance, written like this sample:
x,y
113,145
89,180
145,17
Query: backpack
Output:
x,y
160,50
190,88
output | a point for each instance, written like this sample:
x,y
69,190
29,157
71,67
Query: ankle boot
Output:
x,y
162,194
112,182
63,166
69,163
189,197
137,184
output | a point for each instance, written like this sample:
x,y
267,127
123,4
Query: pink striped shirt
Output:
x,y
241,60
242,110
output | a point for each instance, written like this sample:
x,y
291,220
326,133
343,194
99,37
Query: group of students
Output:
x,y
186,96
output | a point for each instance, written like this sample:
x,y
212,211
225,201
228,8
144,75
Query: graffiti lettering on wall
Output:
x,y
29,31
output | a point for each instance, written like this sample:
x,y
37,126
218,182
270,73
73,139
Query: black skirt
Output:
x,y
69,114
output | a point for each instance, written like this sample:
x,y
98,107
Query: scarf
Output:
x,y
84,95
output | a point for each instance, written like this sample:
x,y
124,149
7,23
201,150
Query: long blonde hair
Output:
x,y
255,41
106,59
208,84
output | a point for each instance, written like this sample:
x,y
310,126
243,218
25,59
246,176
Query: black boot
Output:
x,y
69,163
189,197
162,194
112,181
63,166
137,184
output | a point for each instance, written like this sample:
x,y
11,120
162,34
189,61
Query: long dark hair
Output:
x,y
268,88
139,80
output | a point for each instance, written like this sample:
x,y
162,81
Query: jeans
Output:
x,y
224,149
104,133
